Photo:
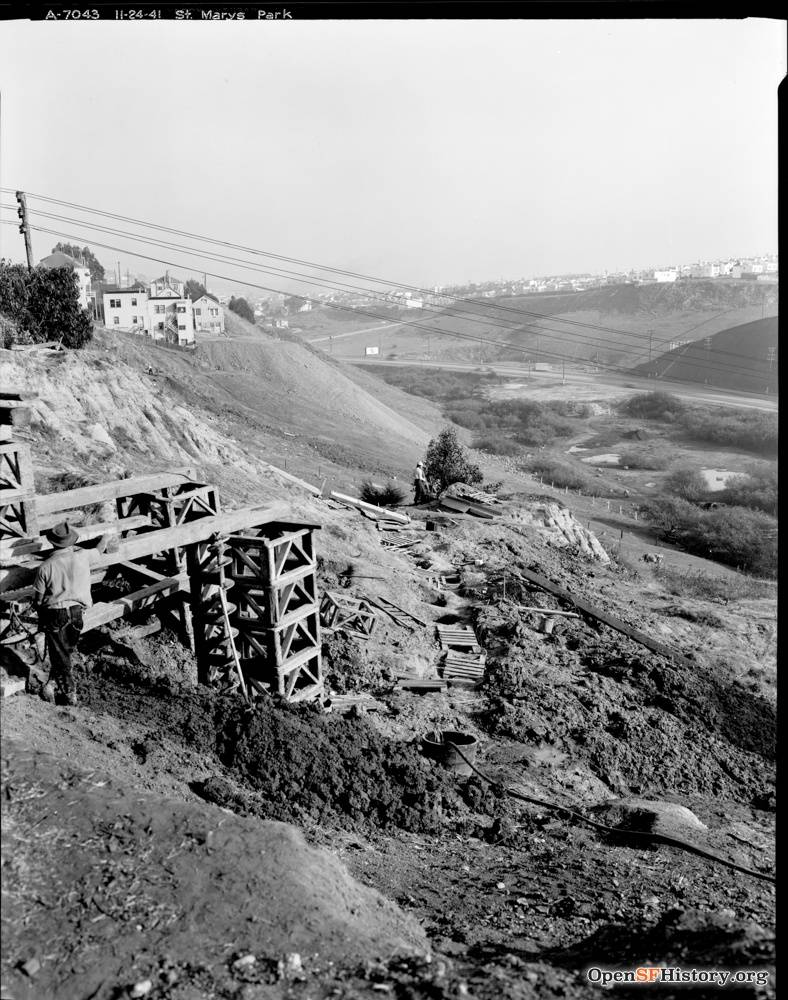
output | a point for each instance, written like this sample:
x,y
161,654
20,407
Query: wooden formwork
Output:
x,y
273,569
17,509
348,614
171,536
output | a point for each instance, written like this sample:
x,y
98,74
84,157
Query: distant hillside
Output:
x,y
619,321
736,358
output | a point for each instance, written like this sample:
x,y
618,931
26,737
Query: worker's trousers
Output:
x,y
62,628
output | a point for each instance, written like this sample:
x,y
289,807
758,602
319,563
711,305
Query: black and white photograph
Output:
x,y
388,502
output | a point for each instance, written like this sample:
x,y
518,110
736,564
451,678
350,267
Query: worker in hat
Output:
x,y
419,484
62,593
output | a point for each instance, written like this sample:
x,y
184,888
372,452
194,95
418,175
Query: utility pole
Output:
x,y
24,229
563,372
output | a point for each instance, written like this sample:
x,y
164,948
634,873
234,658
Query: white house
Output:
x,y
208,315
60,259
170,311
126,308
668,274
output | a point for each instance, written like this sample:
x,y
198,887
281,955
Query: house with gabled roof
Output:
x,y
60,259
208,314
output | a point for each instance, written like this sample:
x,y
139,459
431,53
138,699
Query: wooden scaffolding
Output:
x,y
238,586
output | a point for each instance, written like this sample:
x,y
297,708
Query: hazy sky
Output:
x,y
422,151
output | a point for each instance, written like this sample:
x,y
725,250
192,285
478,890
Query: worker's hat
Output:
x,y
419,463
62,535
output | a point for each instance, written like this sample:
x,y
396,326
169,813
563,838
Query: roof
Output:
x,y
205,295
117,290
60,259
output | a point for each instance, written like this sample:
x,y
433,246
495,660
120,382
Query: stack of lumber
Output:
x,y
469,493
397,614
341,704
405,683
464,658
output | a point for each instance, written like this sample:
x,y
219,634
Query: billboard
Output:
x,y
371,350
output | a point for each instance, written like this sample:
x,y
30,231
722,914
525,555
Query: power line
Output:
x,y
565,336
498,307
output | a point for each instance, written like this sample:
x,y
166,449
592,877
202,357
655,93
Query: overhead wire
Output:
x,y
721,367
476,303
472,338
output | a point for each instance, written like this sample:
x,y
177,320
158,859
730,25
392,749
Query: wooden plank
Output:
x,y
47,503
160,541
27,546
615,623
409,614
421,684
388,515
102,613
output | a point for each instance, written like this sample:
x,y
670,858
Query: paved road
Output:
x,y
350,333
702,394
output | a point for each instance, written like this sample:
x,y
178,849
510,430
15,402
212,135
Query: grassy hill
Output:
x,y
545,325
735,358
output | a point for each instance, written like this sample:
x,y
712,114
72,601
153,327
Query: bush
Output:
x,y
642,458
653,406
497,445
757,490
446,462
688,484
382,496
731,535
43,305
562,474
242,308
753,430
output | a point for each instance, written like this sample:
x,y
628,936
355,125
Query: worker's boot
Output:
x,y
48,692
70,698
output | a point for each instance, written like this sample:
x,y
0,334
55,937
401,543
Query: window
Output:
x,y
214,312
134,319
198,312
181,326
159,309
134,302
181,309
116,320
114,303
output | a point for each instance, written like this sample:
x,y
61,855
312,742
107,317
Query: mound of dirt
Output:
x,y
652,816
724,941
300,765
642,725
108,887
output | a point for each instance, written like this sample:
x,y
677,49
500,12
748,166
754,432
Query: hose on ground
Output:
x,y
659,838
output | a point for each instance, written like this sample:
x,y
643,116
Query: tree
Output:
x,y
293,303
446,462
195,289
85,254
242,308
688,484
43,305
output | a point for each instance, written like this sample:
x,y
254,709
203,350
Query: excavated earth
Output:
x,y
150,832
483,896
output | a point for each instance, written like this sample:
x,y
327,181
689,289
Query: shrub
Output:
x,y
753,430
242,308
562,474
43,304
688,484
731,535
757,490
497,445
382,496
446,461
653,406
643,458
